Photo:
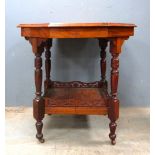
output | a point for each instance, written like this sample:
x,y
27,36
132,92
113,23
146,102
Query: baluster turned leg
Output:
x,y
48,45
103,45
115,50
114,102
38,102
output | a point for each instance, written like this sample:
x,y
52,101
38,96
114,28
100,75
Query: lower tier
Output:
x,y
76,101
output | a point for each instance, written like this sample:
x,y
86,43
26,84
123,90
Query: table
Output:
x,y
76,97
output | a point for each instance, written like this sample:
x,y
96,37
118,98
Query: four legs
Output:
x,y
38,102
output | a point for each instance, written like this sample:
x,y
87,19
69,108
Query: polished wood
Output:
x,y
76,101
47,81
77,97
38,102
103,45
77,25
76,30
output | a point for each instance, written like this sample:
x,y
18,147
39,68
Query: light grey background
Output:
x,y
75,59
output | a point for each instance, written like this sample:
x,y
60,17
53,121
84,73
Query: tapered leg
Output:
x,y
113,113
39,135
48,45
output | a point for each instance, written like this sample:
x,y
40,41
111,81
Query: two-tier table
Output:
x,y
76,97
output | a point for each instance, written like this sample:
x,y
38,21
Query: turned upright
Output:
x,y
76,97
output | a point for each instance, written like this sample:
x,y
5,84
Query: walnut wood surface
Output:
x,y
76,101
77,110
77,30
77,97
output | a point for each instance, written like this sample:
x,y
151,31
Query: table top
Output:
x,y
77,25
77,30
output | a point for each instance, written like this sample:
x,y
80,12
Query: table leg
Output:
x,y
114,102
113,114
48,45
38,102
103,45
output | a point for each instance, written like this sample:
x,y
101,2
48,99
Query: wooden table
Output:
x,y
76,97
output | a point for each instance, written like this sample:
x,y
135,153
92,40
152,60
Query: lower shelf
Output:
x,y
76,101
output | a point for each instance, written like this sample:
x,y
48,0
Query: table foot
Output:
x,y
41,139
112,134
39,135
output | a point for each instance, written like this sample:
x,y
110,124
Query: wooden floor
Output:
x,y
76,101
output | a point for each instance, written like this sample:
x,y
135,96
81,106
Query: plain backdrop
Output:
x,y
78,59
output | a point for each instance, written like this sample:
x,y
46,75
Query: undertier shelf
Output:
x,y
76,101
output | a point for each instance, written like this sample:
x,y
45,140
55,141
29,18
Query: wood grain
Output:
x,y
76,32
77,97
77,25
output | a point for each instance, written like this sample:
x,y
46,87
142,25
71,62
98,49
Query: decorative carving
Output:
x,y
48,45
69,103
76,97
77,84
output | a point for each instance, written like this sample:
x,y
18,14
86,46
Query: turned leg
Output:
x,y
47,82
112,135
114,102
103,45
38,45
113,113
38,102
